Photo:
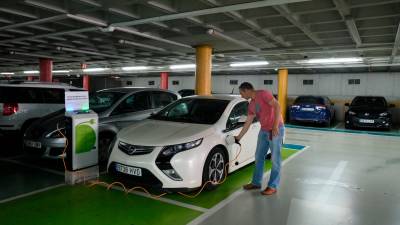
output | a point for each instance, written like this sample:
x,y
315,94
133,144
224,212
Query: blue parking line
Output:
x,y
294,147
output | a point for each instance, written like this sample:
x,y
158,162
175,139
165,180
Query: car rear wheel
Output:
x,y
214,169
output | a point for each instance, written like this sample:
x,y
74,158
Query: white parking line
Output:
x,y
172,202
237,193
335,127
30,193
33,167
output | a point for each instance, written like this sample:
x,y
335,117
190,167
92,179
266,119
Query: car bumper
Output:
x,y
188,164
51,148
377,123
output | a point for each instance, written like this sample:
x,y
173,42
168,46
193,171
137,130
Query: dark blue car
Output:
x,y
315,109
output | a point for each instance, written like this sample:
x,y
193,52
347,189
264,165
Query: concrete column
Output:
x,y
85,78
164,80
46,69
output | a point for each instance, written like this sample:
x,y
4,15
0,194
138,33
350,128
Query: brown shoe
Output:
x,y
269,191
250,187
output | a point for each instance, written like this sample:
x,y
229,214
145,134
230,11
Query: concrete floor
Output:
x,y
341,179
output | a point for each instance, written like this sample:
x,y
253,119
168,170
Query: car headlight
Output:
x,y
383,114
352,113
174,149
58,133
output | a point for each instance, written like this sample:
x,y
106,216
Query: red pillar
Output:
x,y
46,69
164,80
85,78
29,78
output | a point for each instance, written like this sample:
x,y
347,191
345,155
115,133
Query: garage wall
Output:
x,y
335,86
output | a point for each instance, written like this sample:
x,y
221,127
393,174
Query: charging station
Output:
x,y
81,129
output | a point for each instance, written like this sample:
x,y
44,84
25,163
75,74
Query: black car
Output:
x,y
368,112
187,92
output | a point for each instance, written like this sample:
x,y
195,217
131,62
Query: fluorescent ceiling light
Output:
x,y
334,60
7,73
31,71
256,63
182,66
61,71
94,69
128,68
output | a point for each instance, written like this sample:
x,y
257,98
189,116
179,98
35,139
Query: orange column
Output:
x,y
282,90
203,69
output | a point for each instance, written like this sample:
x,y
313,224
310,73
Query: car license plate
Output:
x,y
128,170
366,121
33,144
307,109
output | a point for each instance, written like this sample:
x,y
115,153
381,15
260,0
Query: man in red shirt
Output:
x,y
266,108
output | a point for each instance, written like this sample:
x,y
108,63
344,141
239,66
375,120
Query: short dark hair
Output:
x,y
246,86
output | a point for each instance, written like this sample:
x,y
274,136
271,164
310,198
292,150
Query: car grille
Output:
x,y
134,149
368,115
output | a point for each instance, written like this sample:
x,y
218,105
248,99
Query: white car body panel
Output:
x,y
188,164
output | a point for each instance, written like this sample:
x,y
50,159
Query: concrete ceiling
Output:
x,y
116,33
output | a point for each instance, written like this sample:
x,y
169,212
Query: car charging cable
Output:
x,y
230,140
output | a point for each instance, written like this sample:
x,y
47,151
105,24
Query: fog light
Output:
x,y
171,173
347,121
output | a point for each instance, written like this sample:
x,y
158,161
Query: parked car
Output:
x,y
21,103
315,109
368,112
187,92
116,108
183,146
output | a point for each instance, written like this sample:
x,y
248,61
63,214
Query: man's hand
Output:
x,y
275,131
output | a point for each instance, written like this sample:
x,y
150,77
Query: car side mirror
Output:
x,y
347,104
392,105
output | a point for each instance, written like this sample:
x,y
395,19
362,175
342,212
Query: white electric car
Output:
x,y
184,145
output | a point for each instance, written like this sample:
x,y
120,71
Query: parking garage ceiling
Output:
x,y
117,33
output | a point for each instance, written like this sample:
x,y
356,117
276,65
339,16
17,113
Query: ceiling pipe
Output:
x,y
59,48
141,45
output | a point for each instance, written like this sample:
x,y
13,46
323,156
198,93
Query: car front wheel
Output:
x,y
214,171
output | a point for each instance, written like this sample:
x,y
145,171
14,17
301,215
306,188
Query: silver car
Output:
x,y
22,103
116,107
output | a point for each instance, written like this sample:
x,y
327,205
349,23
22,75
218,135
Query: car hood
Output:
x,y
161,133
369,109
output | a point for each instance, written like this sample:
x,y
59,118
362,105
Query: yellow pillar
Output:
x,y
203,69
282,90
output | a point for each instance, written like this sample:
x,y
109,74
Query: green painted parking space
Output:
x,y
97,205
234,182
83,205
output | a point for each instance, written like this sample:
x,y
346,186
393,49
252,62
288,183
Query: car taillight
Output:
x,y
295,107
320,107
10,108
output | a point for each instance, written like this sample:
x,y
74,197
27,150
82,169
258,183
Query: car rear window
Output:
x,y
309,100
32,95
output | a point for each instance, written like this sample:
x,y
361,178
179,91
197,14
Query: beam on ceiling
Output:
x,y
395,45
345,12
221,9
295,20
32,22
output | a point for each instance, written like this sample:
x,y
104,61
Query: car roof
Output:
x,y
38,84
217,96
133,89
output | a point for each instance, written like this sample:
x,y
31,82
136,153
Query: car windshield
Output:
x,y
369,102
309,100
193,110
103,100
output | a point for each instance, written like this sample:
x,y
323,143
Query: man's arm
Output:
x,y
277,116
246,127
